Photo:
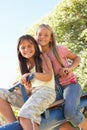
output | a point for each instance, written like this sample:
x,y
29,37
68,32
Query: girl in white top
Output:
x,y
41,87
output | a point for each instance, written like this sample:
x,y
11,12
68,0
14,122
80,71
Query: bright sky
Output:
x,y
16,16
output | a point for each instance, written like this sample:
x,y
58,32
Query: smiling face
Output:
x,y
27,48
43,36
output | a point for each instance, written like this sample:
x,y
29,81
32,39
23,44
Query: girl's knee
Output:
x,y
69,113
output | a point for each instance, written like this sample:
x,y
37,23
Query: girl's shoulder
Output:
x,y
62,49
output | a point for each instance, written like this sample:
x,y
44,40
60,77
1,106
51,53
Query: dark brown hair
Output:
x,y
23,61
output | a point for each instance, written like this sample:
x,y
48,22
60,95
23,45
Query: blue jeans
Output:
x,y
71,93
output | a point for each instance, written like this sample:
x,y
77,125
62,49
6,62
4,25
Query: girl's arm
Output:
x,y
47,69
46,75
75,62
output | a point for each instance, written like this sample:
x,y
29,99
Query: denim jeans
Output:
x,y
59,89
71,94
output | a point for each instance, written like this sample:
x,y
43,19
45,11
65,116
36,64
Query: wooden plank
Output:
x,y
57,103
61,101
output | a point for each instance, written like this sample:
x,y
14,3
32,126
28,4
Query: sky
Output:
x,y
16,16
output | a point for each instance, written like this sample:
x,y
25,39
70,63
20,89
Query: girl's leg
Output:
x,y
31,111
83,125
72,94
6,111
6,100
27,124
67,126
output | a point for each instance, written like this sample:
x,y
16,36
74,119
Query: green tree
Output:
x,y
69,22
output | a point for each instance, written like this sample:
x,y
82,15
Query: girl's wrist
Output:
x,y
32,75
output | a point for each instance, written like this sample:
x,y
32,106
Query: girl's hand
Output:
x,y
23,81
27,88
64,72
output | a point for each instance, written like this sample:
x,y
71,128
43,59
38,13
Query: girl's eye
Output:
x,y
39,34
45,35
22,48
29,46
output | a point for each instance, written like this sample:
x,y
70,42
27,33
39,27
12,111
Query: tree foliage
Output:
x,y
69,22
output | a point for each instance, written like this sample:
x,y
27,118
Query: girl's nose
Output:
x,y
26,49
42,37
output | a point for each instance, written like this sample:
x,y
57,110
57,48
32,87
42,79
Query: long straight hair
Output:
x,y
52,44
23,61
